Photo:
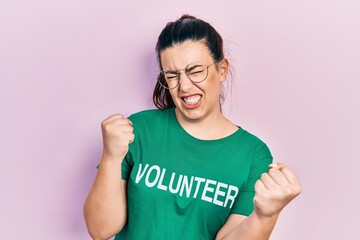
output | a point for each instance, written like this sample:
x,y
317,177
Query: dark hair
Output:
x,y
186,28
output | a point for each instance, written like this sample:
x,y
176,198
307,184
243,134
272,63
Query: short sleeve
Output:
x,y
128,161
126,167
244,204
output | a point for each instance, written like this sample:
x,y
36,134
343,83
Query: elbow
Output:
x,y
101,228
102,224
103,233
97,235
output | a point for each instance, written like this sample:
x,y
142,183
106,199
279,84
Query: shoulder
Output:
x,y
251,138
150,125
154,119
255,143
145,115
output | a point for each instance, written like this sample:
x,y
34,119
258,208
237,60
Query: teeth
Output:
x,y
192,100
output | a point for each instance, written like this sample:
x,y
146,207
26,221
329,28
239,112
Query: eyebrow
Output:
x,y
192,67
186,69
171,72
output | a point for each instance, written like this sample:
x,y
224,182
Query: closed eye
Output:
x,y
195,72
196,69
171,75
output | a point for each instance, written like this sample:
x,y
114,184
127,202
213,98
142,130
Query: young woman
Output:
x,y
185,171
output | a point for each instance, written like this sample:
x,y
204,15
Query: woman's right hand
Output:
x,y
117,133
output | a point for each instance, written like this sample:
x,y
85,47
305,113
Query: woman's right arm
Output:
x,y
105,207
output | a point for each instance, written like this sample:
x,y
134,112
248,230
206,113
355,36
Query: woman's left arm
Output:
x,y
273,191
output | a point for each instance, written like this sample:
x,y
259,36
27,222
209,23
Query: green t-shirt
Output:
x,y
181,187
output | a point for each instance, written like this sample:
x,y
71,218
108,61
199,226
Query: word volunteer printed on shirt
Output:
x,y
219,193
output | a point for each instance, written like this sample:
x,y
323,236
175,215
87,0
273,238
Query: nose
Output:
x,y
185,84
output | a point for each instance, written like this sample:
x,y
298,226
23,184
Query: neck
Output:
x,y
211,127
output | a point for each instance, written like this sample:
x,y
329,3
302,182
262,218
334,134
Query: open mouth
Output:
x,y
192,100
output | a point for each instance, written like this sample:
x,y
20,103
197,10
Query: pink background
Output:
x,y
67,65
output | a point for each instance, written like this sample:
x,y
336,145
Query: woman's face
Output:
x,y
194,101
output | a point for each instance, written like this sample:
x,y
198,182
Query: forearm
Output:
x,y
253,228
105,207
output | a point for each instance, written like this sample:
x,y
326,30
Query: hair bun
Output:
x,y
186,16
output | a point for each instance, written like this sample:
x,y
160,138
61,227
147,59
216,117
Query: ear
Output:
x,y
223,69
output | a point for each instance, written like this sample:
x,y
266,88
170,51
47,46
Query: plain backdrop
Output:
x,y
67,65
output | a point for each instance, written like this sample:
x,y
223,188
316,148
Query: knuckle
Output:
x,y
103,123
107,127
117,115
298,190
263,176
289,192
257,185
286,193
272,171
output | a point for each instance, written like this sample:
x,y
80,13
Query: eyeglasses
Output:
x,y
197,73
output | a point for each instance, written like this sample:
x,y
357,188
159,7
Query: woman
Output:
x,y
187,172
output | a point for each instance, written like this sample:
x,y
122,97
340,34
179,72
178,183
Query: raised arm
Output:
x,y
105,207
273,192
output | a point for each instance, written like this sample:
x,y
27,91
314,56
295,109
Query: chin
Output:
x,y
191,114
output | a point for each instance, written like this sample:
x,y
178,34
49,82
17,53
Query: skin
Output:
x,y
275,189
105,207
205,121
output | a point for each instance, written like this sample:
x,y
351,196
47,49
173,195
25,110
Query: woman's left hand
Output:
x,y
275,189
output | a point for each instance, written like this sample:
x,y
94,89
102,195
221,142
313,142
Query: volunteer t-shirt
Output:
x,y
181,187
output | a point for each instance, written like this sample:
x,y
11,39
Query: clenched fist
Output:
x,y
275,189
117,133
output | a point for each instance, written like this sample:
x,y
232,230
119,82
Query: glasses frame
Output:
x,y
161,75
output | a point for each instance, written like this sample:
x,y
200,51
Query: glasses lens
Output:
x,y
197,73
167,80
